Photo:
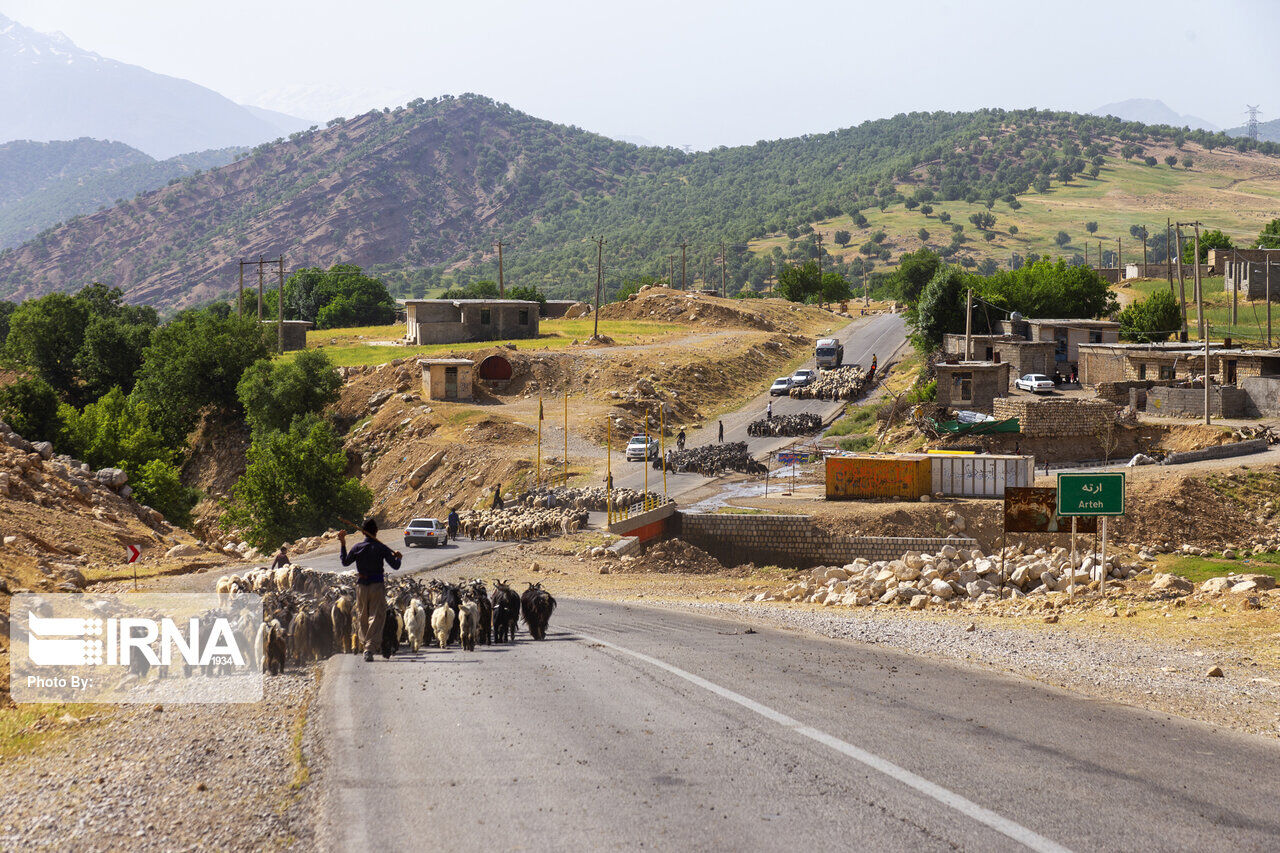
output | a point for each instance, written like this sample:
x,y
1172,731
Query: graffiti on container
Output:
x,y
1035,510
861,478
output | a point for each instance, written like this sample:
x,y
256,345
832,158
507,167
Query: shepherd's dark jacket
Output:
x,y
368,557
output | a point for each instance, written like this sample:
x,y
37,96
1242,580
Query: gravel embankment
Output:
x,y
1161,677
185,777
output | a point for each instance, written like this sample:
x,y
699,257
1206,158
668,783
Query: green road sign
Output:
x,y
1090,494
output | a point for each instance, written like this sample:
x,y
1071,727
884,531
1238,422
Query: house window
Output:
x,y
1060,344
962,387
486,316
1095,337
524,316
1166,371
1142,371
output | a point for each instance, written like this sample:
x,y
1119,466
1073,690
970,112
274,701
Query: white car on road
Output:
x,y
637,452
1034,382
803,377
780,386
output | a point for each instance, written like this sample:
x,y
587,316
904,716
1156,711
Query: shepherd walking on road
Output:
x,y
497,496
721,437
371,589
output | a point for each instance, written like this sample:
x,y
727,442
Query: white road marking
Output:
x,y
967,807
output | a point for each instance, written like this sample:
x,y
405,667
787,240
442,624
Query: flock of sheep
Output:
x,y
309,615
840,383
521,521
712,459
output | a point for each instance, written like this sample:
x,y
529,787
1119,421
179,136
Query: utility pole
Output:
x,y
1144,252
1235,255
1200,310
600,241
260,263
968,325
1200,320
1119,265
502,289
1182,285
684,266
280,308
1268,302
1168,251
722,268
671,280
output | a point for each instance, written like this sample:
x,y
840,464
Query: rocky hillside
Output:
x,y
421,194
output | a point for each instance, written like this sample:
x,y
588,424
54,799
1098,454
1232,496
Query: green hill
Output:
x,y
421,194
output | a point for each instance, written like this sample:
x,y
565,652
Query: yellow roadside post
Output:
x,y
662,446
537,477
608,467
566,435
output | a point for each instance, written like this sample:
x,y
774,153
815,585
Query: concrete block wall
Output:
x,y
793,541
1118,392
1056,416
1264,395
1224,401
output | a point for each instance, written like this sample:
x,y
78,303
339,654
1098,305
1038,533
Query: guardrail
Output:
x,y
653,502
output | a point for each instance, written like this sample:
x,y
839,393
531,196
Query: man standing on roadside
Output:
x,y
453,523
371,590
497,497
721,437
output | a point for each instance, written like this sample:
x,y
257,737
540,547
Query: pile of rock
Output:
x,y
952,575
783,425
672,556
840,383
713,459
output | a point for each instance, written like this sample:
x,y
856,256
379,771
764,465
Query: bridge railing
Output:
x,y
650,502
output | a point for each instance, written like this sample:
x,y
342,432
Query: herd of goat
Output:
x,y
309,615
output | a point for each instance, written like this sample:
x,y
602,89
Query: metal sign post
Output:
x,y
1100,495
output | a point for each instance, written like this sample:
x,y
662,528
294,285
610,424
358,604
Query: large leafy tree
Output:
x,y
1155,318
1213,239
274,392
30,407
45,335
196,361
915,269
797,282
111,354
340,296
295,485
1269,238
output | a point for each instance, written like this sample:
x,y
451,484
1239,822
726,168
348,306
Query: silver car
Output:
x,y
637,450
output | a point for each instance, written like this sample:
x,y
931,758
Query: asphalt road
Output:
x,y
637,727
879,334
414,559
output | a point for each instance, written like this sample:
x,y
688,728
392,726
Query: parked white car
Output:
x,y
425,531
803,377
1034,382
780,386
638,452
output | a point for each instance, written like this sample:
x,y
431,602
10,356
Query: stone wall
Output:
x,y
1056,416
792,541
1224,402
1118,392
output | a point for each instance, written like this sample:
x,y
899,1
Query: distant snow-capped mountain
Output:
x,y
51,89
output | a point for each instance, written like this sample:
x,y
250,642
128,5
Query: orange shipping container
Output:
x,y
904,477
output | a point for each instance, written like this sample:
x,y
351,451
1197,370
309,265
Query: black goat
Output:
x,y
475,591
506,612
391,632
538,606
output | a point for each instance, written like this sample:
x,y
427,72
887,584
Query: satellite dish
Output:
x,y
1016,316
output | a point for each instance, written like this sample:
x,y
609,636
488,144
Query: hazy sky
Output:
x,y
692,72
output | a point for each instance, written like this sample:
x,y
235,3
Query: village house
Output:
x,y
972,385
454,321
1021,355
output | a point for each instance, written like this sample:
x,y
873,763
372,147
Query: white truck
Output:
x,y
829,352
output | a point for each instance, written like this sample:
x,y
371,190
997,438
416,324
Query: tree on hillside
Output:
x,y
338,297
295,485
196,361
914,271
944,217
1171,160
923,234
983,220
1149,160
796,283
926,209
1269,237
45,335
274,392
842,238
858,219
30,407
1186,161
911,204
1091,227
1153,319
1062,238
940,309
1214,239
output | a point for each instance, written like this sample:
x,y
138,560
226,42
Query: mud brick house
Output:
x,y
972,385
454,321
1065,335
1021,355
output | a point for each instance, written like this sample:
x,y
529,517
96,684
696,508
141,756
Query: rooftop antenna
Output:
x,y
1251,129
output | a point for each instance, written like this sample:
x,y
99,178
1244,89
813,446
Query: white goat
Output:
x,y
442,624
